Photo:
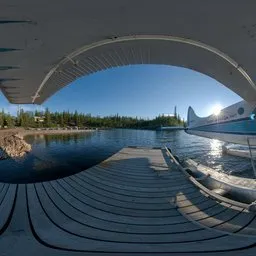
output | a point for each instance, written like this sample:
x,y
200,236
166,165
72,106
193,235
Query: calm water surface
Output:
x,y
55,156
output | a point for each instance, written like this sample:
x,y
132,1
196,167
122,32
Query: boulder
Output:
x,y
14,146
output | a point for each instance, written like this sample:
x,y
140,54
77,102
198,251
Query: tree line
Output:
x,y
50,119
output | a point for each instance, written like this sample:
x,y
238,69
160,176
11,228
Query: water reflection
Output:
x,y
216,148
55,156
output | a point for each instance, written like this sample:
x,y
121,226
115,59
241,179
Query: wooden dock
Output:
x,y
136,202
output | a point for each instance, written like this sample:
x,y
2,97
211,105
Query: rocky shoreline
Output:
x,y
13,145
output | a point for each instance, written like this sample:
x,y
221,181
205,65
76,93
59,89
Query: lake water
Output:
x,y
55,156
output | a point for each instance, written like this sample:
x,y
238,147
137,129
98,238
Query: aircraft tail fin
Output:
x,y
192,118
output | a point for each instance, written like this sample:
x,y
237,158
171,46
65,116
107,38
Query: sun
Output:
x,y
216,109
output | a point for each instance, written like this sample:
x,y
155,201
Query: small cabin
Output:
x,y
39,119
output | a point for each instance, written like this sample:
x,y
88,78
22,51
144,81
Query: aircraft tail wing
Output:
x,y
192,118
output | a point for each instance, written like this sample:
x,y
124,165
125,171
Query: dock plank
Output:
x,y
133,202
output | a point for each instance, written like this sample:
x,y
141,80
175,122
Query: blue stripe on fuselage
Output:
x,y
242,127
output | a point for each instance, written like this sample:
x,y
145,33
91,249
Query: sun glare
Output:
x,y
216,109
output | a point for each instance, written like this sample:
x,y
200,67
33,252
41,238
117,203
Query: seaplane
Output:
x,y
234,124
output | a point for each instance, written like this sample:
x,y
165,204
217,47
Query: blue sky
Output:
x,y
139,90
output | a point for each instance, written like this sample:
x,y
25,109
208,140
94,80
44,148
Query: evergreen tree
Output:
x,y
62,124
47,115
2,119
175,112
76,118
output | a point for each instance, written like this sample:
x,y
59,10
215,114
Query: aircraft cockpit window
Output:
x,y
253,114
